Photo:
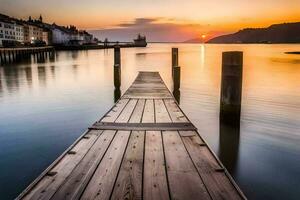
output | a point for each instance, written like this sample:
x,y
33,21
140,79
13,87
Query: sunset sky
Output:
x,y
160,20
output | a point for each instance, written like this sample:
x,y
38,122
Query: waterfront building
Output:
x,y
32,33
19,32
60,35
7,31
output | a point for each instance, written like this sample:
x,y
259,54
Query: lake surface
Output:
x,y
45,106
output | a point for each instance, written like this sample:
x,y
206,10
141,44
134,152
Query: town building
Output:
x,y
60,35
7,31
32,33
19,32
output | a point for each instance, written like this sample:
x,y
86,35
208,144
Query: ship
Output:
x,y
140,41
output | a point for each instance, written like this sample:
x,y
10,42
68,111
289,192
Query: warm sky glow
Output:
x,y
156,18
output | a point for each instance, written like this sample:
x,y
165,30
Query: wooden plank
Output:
x,y
184,180
102,182
175,113
129,181
143,126
113,114
75,184
137,114
49,184
127,111
161,113
148,115
217,183
155,180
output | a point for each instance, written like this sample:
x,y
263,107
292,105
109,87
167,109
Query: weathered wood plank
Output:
x,y
184,180
155,179
113,114
148,115
174,111
137,114
161,113
217,183
49,184
129,181
183,126
102,182
127,111
74,185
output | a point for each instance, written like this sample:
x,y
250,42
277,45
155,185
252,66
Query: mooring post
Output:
x,y
176,77
4,56
1,59
174,59
117,55
231,87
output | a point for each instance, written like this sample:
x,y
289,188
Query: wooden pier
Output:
x,y
12,55
145,147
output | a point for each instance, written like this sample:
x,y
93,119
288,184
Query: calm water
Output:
x,y
45,106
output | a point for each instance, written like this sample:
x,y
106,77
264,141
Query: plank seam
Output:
x,y
44,173
76,165
80,195
122,160
206,188
165,163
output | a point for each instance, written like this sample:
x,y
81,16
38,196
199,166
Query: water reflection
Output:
x,y
42,75
11,76
176,94
229,140
28,75
117,94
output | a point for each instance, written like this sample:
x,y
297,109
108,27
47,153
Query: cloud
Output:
x,y
156,30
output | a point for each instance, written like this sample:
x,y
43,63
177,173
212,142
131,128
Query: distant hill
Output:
x,y
277,33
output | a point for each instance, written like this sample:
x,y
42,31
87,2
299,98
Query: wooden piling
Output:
x,y
176,77
117,55
117,75
174,58
231,87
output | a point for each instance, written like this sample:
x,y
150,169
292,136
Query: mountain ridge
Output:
x,y
276,33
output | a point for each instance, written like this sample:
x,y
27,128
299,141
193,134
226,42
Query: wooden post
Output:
x,y
9,56
4,56
176,77
117,76
117,55
231,87
1,57
174,59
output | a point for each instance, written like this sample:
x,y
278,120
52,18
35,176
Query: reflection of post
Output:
x,y
117,76
176,94
231,87
117,94
229,146
174,59
176,78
